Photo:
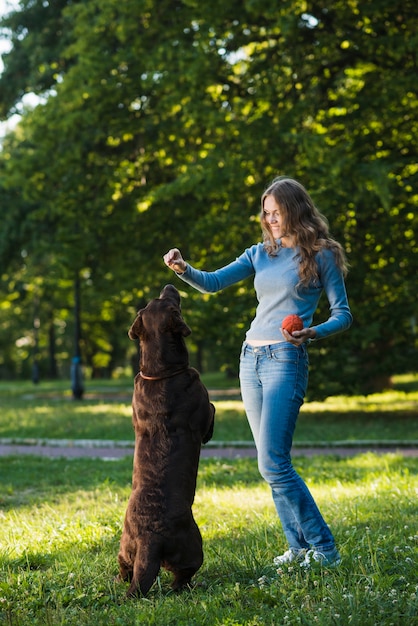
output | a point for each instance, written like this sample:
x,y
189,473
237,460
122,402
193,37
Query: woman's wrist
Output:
x,y
312,335
181,269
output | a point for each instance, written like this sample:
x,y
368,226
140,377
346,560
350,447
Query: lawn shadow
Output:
x,y
31,480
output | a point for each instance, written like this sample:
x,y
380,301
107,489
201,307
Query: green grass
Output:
x,y
61,523
48,411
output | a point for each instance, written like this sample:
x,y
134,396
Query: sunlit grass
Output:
x,y
61,522
48,411
387,401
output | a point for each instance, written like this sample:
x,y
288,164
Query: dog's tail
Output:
x,y
146,567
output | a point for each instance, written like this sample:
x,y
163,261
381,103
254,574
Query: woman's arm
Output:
x,y
333,283
210,282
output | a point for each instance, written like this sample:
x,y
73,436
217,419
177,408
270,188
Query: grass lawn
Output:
x,y
61,522
48,411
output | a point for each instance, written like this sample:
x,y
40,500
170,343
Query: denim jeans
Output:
x,y
273,385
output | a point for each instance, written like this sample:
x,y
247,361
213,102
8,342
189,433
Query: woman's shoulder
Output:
x,y
326,253
329,259
255,250
253,256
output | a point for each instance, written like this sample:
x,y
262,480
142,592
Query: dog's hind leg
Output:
x,y
126,557
185,556
182,577
125,570
146,568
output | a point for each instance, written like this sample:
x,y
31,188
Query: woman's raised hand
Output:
x,y
175,261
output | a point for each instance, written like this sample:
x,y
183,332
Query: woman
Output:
x,y
297,260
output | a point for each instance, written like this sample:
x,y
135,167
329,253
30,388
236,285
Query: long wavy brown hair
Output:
x,y
305,224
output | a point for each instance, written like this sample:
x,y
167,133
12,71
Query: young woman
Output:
x,y
295,263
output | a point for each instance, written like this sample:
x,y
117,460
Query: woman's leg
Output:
x,y
251,390
273,384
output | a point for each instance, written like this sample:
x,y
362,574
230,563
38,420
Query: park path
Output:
x,y
111,450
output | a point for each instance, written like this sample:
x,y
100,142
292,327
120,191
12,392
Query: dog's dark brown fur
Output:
x,y
172,416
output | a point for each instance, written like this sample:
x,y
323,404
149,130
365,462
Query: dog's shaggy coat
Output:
x,y
172,417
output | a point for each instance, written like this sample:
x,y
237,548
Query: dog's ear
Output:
x,y
180,325
136,328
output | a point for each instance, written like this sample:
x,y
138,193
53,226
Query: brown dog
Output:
x,y
172,417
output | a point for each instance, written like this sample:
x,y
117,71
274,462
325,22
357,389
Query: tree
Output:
x,y
166,120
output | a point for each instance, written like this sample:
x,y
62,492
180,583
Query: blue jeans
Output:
x,y
273,385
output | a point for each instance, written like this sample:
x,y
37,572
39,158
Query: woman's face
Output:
x,y
273,217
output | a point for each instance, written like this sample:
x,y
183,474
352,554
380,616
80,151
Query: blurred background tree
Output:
x,y
159,124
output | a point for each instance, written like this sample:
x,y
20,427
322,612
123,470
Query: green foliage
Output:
x,y
159,125
39,33
62,522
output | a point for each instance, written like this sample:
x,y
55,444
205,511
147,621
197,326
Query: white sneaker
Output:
x,y
312,557
291,555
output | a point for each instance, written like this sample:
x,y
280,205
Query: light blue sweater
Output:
x,y
275,280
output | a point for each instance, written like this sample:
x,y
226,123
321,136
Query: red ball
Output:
x,y
292,323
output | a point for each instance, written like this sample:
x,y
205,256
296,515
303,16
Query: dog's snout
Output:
x,y
169,291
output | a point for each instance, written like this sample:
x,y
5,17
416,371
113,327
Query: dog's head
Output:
x,y
161,316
